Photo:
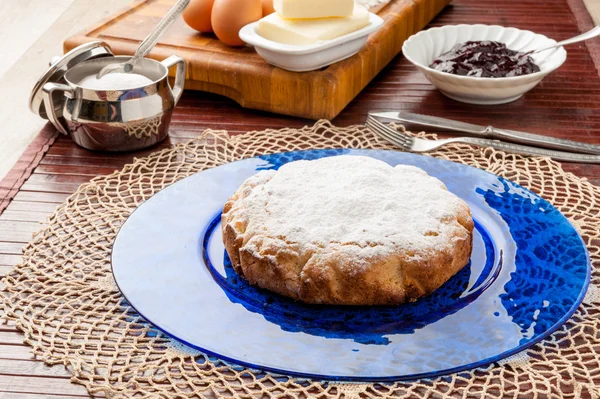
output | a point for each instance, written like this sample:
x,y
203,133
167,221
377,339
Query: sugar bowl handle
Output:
x,y
177,88
47,92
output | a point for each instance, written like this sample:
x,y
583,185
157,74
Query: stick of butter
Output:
x,y
311,31
294,9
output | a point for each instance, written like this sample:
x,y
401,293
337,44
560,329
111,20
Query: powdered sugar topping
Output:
x,y
353,200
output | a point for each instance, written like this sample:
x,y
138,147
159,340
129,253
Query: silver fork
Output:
x,y
414,144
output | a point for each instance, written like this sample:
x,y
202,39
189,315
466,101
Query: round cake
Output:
x,y
347,230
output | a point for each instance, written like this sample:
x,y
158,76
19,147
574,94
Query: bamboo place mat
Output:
x,y
564,105
63,296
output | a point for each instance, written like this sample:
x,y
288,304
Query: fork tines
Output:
x,y
393,136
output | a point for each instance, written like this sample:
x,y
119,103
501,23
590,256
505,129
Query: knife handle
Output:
x,y
546,142
523,149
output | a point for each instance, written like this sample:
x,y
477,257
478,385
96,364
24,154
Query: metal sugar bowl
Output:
x,y
123,118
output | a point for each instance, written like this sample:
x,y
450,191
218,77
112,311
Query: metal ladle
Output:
x,y
149,42
584,36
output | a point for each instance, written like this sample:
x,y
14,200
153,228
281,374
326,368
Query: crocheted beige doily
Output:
x,y
65,301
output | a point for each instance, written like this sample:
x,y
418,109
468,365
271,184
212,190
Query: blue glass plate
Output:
x,y
528,272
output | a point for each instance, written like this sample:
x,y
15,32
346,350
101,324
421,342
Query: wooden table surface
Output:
x,y
565,105
31,33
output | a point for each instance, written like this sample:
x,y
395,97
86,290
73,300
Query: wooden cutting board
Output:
x,y
239,73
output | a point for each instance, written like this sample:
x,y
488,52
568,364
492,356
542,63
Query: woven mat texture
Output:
x,y
64,299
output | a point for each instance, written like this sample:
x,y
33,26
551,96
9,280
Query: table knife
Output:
x,y
490,132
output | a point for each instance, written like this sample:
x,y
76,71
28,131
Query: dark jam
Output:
x,y
485,59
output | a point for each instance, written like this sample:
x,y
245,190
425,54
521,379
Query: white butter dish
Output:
x,y
309,57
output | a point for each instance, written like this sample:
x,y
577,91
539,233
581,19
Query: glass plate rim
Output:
x,y
412,377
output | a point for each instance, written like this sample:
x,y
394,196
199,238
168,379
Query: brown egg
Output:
x,y
267,7
197,15
229,16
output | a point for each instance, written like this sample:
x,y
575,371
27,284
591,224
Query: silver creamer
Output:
x,y
112,119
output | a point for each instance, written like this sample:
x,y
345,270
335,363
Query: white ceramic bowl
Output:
x,y
309,57
424,47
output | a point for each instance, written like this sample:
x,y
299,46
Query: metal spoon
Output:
x,y
584,36
149,42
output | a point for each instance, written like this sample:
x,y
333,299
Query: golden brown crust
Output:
x,y
343,274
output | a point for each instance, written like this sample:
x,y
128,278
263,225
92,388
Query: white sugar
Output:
x,y
115,81
353,200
